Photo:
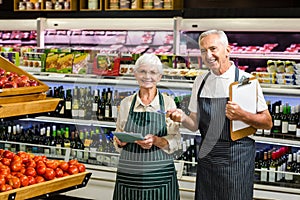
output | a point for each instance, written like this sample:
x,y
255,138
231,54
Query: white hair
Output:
x,y
221,34
149,59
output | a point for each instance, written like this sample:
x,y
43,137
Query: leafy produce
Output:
x,y
22,169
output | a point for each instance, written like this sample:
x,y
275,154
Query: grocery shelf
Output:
x,y
276,141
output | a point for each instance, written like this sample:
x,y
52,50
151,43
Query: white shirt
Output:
x,y
217,86
173,135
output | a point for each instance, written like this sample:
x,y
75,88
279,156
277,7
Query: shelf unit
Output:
x,y
21,6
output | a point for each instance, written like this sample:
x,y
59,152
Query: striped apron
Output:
x,y
146,174
225,169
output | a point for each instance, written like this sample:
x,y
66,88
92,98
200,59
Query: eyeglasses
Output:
x,y
144,73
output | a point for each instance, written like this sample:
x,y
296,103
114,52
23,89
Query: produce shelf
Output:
x,y
28,107
47,188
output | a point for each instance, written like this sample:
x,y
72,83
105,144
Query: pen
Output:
x,y
161,112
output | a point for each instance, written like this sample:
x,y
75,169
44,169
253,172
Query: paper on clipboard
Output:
x,y
128,137
245,95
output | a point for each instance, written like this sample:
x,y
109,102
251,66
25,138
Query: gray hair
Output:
x,y
221,34
149,59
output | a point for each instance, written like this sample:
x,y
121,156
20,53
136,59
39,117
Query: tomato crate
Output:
x,y
5,92
48,188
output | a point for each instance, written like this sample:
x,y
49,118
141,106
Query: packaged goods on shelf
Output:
x,y
106,65
32,61
12,57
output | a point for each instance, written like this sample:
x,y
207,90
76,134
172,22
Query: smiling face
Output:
x,y
147,76
215,54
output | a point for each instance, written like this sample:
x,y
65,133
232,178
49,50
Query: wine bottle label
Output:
x,y
68,105
272,174
298,132
277,122
95,107
263,174
93,152
292,128
284,127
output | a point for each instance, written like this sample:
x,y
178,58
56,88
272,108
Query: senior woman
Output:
x,y
146,168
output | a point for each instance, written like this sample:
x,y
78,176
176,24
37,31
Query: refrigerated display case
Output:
x,y
184,43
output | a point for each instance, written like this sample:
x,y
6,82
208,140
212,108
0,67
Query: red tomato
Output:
x,y
59,172
64,165
22,170
66,174
40,158
16,166
24,180
3,187
6,161
41,169
16,158
53,164
49,174
81,167
8,154
31,180
73,169
31,163
30,171
4,170
14,182
8,187
2,180
39,179
73,162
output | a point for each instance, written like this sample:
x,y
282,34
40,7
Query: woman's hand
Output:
x,y
119,143
147,142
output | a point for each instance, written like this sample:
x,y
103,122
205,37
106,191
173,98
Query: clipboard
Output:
x,y
243,92
128,137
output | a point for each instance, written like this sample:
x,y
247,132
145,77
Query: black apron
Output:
x,y
146,174
225,169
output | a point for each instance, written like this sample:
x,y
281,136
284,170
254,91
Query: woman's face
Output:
x,y
147,76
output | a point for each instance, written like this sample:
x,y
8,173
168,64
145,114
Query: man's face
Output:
x,y
214,54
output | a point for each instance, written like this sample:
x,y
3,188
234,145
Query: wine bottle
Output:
x,y
276,121
273,168
284,120
95,104
88,103
75,103
292,122
53,140
68,104
66,139
47,141
264,168
108,106
289,168
101,108
82,103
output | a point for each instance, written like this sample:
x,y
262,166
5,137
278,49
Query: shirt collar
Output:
x,y
154,104
227,74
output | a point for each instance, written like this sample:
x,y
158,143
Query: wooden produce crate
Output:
x,y
8,66
28,107
5,92
46,188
